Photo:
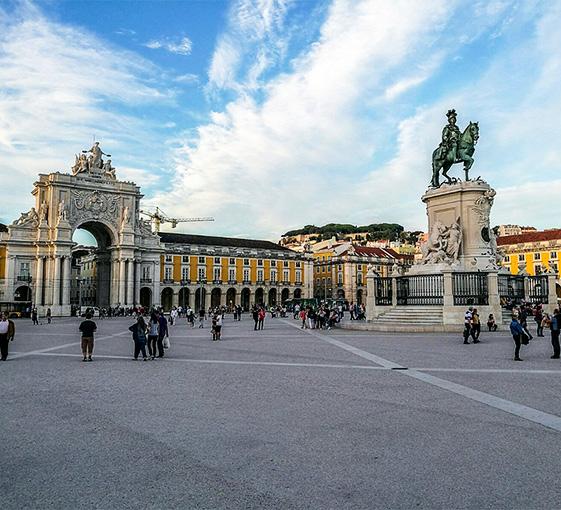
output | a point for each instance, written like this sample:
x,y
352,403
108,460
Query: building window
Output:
x,y
185,259
359,278
317,281
553,267
232,274
202,260
146,273
167,273
537,256
553,255
340,278
285,276
298,264
285,263
259,262
169,258
538,269
507,258
202,273
246,275
24,268
217,260
217,273
184,273
298,276
521,258
359,267
340,267
273,276
246,262
232,261
260,275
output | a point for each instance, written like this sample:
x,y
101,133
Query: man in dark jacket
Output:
x,y
163,331
7,333
87,327
517,333
555,330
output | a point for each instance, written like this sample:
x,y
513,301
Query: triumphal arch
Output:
x,y
38,245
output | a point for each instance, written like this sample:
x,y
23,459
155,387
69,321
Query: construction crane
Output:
x,y
160,217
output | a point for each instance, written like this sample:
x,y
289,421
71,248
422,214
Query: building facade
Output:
x,y
340,269
131,265
532,253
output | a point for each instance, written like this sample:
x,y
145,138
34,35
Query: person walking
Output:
x,y
218,327
255,315
88,328
138,330
518,335
201,318
303,318
538,317
475,326
555,326
467,324
7,334
34,317
49,315
153,331
261,317
163,331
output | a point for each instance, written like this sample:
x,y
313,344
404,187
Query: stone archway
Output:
x,y
200,299
146,297
184,296
231,298
285,294
359,293
215,297
298,294
272,300
23,294
259,297
245,299
167,299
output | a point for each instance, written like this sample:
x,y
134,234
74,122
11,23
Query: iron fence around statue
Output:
x,y
383,291
470,289
427,290
511,290
538,289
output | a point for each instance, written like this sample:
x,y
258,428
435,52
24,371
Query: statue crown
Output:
x,y
451,113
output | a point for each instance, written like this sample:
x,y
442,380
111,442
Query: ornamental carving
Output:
x,y
482,207
443,244
94,205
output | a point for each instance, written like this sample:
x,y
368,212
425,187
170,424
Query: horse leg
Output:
x,y
468,162
445,167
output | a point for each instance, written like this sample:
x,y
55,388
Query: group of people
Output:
x,y
321,317
521,334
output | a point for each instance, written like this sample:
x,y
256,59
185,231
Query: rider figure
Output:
x,y
450,136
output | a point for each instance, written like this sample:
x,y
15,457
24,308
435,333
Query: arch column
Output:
x,y
122,281
39,281
56,281
114,295
66,274
130,282
136,282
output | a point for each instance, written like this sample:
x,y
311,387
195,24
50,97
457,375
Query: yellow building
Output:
x,y
340,269
533,253
198,270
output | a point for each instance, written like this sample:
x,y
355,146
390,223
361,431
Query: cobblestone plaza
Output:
x,y
283,418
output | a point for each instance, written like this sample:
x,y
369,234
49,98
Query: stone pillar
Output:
x,y
156,297
137,282
114,294
122,280
552,293
448,311
494,298
129,298
11,278
66,275
56,281
175,298
39,282
394,290
223,297
371,311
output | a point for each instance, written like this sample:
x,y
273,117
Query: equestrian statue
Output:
x,y
455,147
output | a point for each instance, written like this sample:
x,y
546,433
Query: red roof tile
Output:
x,y
530,237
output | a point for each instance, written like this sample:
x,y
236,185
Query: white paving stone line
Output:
x,y
528,413
73,344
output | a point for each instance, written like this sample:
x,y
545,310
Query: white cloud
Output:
x,y
187,79
59,86
182,46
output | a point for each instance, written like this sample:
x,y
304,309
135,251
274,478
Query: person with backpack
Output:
x,y
87,327
153,332
138,330
555,326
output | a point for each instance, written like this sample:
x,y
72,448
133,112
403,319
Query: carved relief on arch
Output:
x,y
94,205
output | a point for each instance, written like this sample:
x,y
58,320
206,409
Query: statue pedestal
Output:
x,y
468,204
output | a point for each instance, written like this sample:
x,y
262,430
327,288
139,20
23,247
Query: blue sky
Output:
x,y
272,114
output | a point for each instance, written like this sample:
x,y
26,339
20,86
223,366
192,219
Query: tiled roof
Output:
x,y
172,238
388,253
530,237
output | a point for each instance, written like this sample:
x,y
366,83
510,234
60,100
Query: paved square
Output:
x,y
281,418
